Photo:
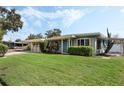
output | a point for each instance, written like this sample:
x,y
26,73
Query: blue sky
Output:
x,y
70,20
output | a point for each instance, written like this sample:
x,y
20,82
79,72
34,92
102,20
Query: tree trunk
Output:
x,y
109,46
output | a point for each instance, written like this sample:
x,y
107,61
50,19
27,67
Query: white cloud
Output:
x,y
122,10
30,12
34,20
24,21
53,24
105,9
71,17
37,23
67,16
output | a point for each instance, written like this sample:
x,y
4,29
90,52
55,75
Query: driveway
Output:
x,y
13,52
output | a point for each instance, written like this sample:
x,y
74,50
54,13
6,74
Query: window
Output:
x,y
83,42
86,42
78,42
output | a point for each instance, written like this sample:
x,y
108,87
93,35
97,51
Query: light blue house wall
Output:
x,y
65,41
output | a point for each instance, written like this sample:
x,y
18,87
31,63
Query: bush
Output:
x,y
3,49
51,47
81,50
27,48
42,45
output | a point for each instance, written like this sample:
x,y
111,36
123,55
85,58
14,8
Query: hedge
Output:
x,y
27,48
3,49
81,50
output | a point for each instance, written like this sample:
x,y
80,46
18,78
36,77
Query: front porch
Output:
x,y
61,45
64,44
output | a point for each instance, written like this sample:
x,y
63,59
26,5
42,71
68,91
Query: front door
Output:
x,y
98,44
65,46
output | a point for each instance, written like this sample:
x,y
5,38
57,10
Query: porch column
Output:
x,y
31,47
62,46
69,42
22,45
95,41
90,43
38,48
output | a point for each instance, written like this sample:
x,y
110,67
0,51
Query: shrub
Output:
x,y
52,47
81,50
27,48
3,49
42,45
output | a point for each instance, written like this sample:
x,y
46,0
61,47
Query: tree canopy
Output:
x,y
17,40
33,36
53,32
9,21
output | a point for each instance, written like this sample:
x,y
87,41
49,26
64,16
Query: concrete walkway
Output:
x,y
15,53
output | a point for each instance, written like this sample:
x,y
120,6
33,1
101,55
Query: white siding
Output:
x,y
117,48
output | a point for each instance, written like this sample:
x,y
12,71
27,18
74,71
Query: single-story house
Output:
x,y
96,40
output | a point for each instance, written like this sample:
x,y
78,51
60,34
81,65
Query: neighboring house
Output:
x,y
87,39
116,49
13,45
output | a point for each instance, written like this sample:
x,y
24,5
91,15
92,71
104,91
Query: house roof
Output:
x,y
61,37
34,40
98,35
106,38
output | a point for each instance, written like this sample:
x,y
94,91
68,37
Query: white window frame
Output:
x,y
84,41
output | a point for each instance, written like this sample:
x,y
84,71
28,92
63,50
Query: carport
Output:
x,y
117,41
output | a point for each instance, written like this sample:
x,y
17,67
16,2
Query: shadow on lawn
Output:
x,y
2,82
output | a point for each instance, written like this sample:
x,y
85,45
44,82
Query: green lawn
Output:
x,y
49,69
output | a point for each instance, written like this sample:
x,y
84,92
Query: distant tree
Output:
x,y
39,35
53,32
17,40
110,42
9,21
33,36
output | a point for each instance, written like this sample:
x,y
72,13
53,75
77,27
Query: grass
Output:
x,y
46,69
